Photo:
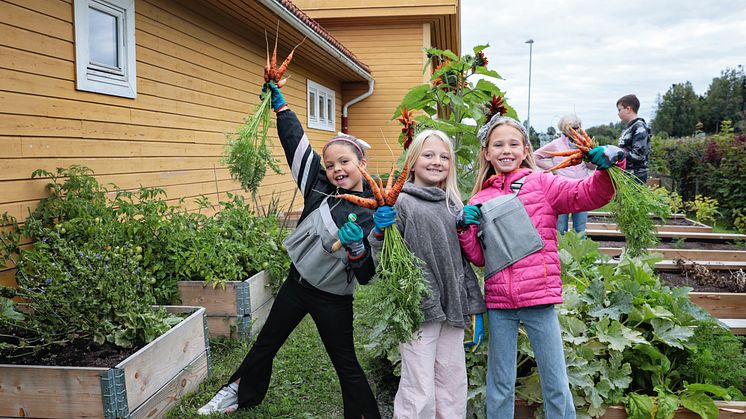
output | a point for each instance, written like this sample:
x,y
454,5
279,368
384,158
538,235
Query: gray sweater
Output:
x,y
430,232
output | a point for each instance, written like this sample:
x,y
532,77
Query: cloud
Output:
x,y
587,53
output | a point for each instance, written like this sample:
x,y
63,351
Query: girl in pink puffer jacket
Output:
x,y
527,289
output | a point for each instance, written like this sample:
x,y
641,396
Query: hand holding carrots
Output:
x,y
384,217
605,156
278,101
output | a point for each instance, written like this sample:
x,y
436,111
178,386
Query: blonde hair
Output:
x,y
485,167
450,184
567,122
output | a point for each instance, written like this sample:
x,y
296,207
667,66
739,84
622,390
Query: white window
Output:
x,y
105,47
321,107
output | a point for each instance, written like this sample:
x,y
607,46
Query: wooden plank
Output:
x,y
36,22
50,392
713,265
692,254
218,301
185,382
672,235
659,228
737,326
8,278
152,367
259,290
723,305
45,147
232,327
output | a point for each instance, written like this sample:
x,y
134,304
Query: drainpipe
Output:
x,y
345,123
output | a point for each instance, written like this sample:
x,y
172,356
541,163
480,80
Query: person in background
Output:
x,y
429,213
320,282
579,171
635,139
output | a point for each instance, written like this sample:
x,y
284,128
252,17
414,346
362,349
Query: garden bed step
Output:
x,y
720,237
723,305
691,254
609,214
659,228
713,265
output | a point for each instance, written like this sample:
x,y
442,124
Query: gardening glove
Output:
x,y
605,156
477,332
351,237
468,216
383,217
278,101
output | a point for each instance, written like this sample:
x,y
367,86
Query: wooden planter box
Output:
x,y
144,385
728,307
727,410
238,310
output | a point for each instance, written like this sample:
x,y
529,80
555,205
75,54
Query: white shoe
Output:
x,y
226,401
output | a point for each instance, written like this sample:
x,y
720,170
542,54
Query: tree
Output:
x,y
725,100
677,112
606,134
453,102
551,132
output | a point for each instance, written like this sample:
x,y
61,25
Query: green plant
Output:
x,y
705,208
452,99
739,219
717,357
671,198
678,243
247,153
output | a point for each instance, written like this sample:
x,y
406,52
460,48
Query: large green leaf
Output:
x,y
667,405
639,406
617,335
487,72
700,404
670,333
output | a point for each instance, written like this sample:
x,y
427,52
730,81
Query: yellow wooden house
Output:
x,y
143,92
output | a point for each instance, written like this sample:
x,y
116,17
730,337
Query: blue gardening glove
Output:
x,y
477,332
351,237
383,217
278,101
469,216
605,156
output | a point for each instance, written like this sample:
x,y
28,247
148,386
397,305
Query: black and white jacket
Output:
x,y
308,172
635,140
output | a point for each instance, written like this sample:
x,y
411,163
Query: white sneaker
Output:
x,y
226,401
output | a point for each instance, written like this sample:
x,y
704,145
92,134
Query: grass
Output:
x,y
304,383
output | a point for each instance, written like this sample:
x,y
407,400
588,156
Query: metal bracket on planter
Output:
x,y
243,304
114,394
207,345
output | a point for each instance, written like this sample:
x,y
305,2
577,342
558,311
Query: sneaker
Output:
x,y
226,401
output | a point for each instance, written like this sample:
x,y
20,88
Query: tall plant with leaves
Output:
x,y
460,93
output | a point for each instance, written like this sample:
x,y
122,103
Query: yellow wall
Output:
x,y
197,78
395,55
325,9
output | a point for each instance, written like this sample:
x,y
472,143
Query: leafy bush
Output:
x,y
705,208
717,358
73,292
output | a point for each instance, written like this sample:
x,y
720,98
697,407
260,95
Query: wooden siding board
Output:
x,y
34,21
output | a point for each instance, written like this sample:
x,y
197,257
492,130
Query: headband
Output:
x,y
357,143
486,129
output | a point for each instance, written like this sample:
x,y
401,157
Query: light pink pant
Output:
x,y
433,374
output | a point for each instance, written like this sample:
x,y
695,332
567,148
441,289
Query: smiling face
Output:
x,y
505,149
433,163
340,162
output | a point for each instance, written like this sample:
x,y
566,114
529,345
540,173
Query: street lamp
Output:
x,y
530,43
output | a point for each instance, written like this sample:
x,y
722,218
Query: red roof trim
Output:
x,y
313,25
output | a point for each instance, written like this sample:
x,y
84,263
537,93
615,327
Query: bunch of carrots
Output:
x,y
247,154
633,202
400,284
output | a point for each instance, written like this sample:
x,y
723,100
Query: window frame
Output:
x,y
318,117
101,78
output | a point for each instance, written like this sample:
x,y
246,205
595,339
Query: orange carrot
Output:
x,y
380,185
396,189
377,193
390,181
284,65
273,62
359,201
564,153
565,163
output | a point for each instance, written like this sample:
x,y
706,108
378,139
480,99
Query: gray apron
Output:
x,y
309,247
506,232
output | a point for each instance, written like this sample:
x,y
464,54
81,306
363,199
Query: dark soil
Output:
x,y
678,245
76,354
658,221
714,281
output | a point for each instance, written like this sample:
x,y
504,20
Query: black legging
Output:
x,y
333,317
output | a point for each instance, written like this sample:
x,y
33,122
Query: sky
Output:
x,y
587,54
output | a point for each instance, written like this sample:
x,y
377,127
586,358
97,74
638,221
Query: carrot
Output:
x,y
273,62
390,181
565,163
267,68
359,201
396,189
284,65
377,193
564,153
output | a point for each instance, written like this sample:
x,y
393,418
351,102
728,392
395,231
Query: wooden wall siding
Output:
x,y
198,76
325,9
394,53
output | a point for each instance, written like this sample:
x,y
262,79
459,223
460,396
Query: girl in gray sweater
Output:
x,y
433,366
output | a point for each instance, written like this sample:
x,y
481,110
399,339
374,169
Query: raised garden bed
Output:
x,y
673,224
237,310
727,410
145,384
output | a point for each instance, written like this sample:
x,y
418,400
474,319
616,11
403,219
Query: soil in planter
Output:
x,y
682,244
702,279
657,221
76,354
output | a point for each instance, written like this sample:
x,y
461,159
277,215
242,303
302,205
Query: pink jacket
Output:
x,y
546,161
535,279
